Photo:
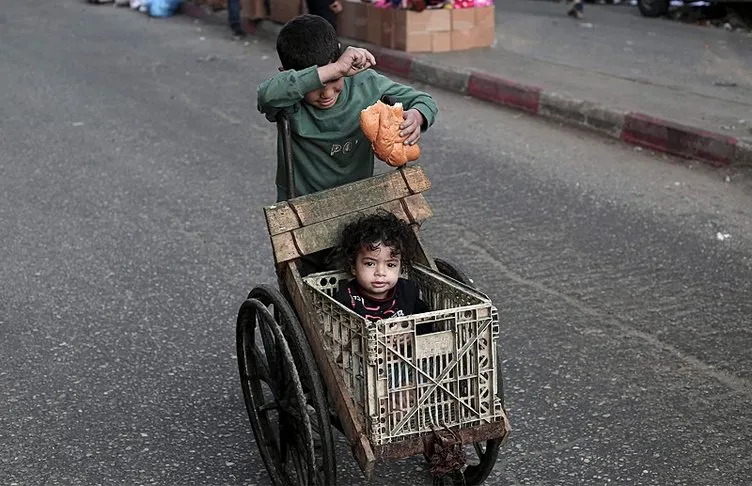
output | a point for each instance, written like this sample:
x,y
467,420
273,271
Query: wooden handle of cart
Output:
x,y
283,127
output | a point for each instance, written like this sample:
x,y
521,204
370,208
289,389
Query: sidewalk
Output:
x,y
668,86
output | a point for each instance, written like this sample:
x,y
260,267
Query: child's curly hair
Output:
x,y
371,229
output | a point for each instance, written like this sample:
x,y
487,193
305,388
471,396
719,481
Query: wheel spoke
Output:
x,y
316,471
268,407
287,408
303,472
279,317
291,454
311,411
479,450
288,399
295,418
292,467
298,467
267,338
261,367
283,440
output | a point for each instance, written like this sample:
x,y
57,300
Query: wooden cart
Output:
x,y
308,364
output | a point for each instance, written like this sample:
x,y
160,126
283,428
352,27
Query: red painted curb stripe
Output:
x,y
393,62
491,88
676,139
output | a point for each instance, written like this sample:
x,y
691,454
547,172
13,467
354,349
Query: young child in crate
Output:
x,y
323,90
377,249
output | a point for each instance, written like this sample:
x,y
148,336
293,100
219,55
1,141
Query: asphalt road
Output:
x,y
133,170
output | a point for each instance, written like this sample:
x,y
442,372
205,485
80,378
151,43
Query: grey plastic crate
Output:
x,y
405,383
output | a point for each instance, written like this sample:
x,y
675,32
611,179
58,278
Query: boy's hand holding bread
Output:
x,y
384,126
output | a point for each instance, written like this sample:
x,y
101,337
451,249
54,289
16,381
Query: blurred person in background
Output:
x,y
327,9
252,18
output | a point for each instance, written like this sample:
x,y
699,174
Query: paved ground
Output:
x,y
132,175
700,76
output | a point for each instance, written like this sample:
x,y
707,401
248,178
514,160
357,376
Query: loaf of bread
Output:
x,y
381,126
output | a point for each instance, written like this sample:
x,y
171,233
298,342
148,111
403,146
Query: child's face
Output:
x,y
326,97
377,270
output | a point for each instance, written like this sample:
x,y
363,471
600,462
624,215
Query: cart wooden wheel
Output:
x,y
481,463
283,392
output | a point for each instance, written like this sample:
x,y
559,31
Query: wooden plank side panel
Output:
x,y
325,205
335,385
324,235
416,179
280,218
284,247
417,207
320,206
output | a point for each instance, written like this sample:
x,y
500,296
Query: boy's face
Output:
x,y
377,270
326,97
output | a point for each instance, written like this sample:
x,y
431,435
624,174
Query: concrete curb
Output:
x,y
639,129
743,154
582,113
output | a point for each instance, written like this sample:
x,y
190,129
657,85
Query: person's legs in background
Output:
x,y
233,17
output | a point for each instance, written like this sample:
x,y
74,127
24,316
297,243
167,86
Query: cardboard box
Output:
x,y
430,20
464,18
346,19
282,11
441,41
414,42
472,28
485,25
464,39
432,30
426,31
484,16
389,19
361,22
373,25
352,21
424,42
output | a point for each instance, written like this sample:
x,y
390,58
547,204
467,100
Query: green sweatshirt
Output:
x,y
328,146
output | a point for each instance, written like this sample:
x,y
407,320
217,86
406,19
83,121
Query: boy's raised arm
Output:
x,y
286,89
410,98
